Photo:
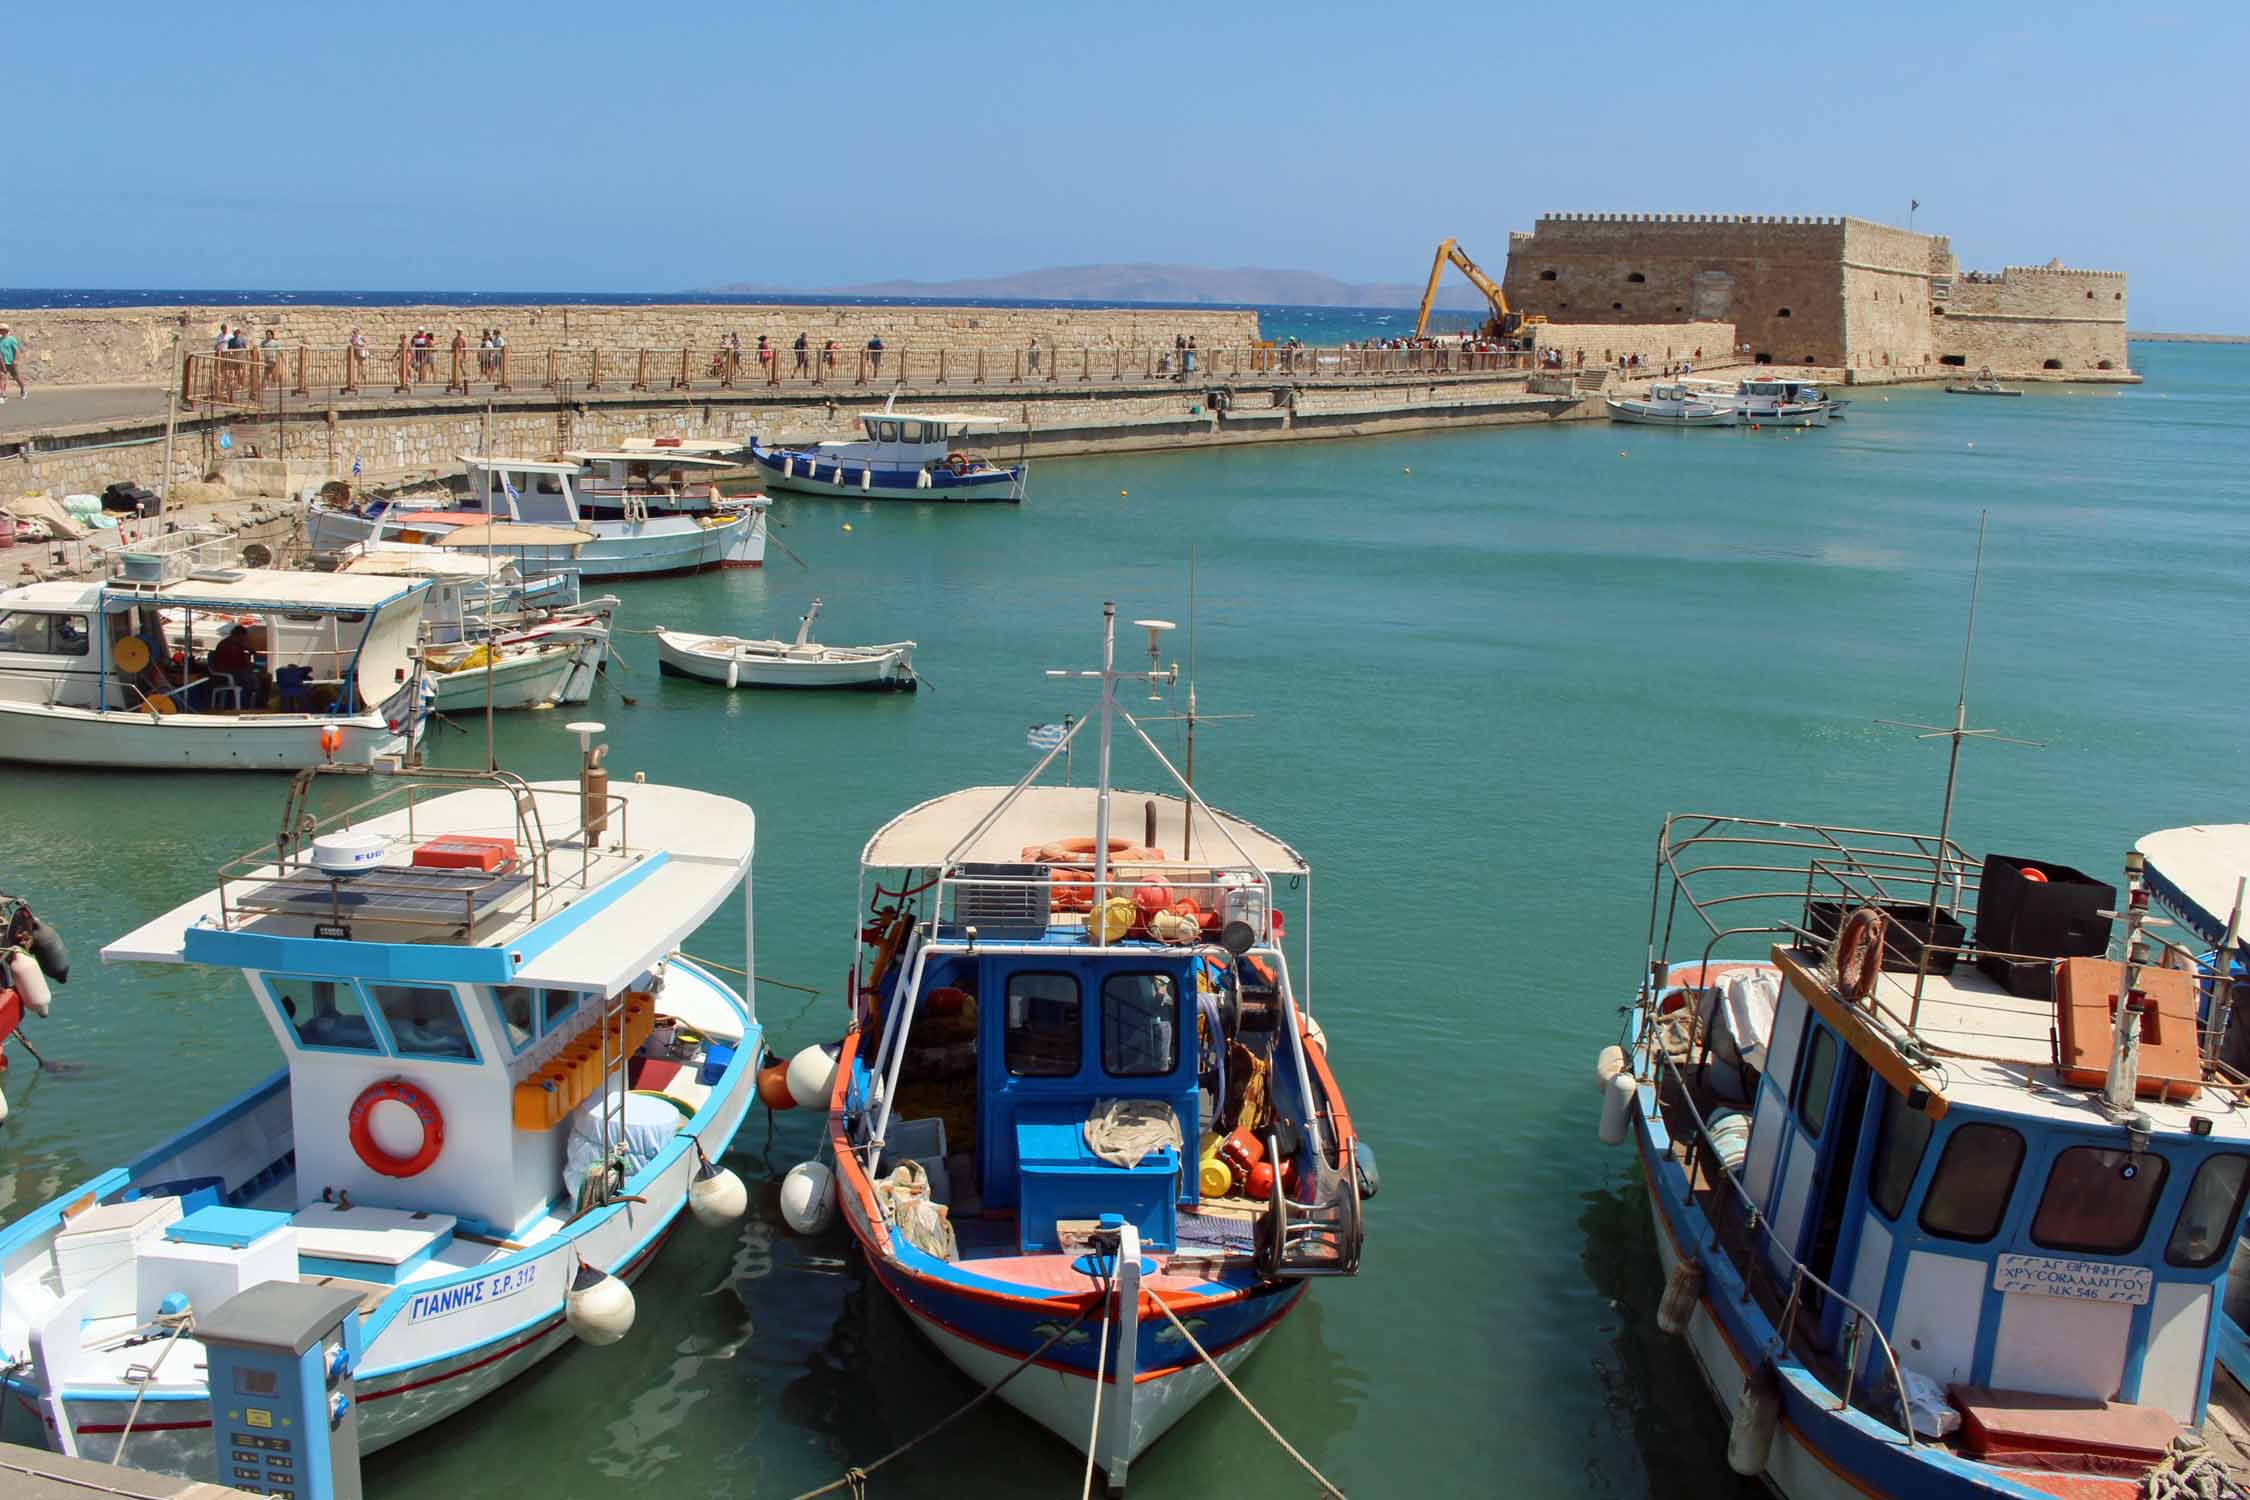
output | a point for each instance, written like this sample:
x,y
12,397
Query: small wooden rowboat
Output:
x,y
801,663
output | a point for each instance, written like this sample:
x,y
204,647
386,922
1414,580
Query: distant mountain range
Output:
x,y
1186,285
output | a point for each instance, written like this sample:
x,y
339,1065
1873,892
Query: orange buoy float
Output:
x,y
1152,896
397,1091
958,462
2033,874
773,1087
1859,954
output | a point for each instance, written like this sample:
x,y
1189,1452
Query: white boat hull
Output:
x,y
517,682
706,658
121,740
620,549
1625,411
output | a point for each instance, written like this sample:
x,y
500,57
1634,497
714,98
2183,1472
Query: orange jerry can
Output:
x,y
2086,1009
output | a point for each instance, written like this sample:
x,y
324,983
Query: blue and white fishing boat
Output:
x,y
501,1084
1083,1121
905,456
1939,1215
644,542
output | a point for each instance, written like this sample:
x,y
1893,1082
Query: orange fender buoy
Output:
x,y
773,1087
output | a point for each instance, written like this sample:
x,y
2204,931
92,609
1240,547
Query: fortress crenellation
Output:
x,y
1834,291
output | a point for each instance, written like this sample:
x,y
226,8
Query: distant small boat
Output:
x,y
801,663
1673,406
1986,384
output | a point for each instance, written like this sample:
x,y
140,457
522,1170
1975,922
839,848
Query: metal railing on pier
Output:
x,y
266,374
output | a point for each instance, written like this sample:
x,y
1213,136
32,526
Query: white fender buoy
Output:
x,y
716,1196
1608,1064
1315,1035
1617,1107
808,1198
921,479
788,466
1683,1289
1757,1413
23,973
3,1106
734,671
599,1307
811,1074
867,477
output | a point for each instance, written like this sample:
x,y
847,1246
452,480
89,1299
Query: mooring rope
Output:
x,y
1235,1391
180,1323
855,1478
1101,1371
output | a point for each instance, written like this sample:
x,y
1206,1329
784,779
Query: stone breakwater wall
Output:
x,y
1657,344
414,439
134,345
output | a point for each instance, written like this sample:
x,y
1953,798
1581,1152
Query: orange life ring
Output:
x,y
363,1135
1859,954
958,462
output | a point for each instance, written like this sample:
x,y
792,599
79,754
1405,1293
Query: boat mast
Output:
x,y
1110,677
1958,731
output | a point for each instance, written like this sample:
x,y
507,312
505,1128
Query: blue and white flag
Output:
x,y
1044,736
355,467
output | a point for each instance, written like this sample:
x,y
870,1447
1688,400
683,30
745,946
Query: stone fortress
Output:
x,y
1874,301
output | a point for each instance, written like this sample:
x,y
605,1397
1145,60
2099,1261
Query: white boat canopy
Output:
x,y
2196,870
431,563
267,589
925,837
515,465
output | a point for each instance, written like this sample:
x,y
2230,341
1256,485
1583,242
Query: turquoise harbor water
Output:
x,y
1478,686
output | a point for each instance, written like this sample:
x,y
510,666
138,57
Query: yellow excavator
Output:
x,y
1504,323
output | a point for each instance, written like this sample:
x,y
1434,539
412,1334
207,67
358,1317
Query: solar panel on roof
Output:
x,y
392,894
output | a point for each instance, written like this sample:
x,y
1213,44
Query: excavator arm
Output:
x,y
1503,320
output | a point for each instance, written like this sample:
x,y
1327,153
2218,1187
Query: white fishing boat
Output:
x,y
500,1085
139,670
904,456
523,674
1673,406
539,492
1985,384
799,663
1771,401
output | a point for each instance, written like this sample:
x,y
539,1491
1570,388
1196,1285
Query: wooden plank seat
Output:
x,y
2078,1433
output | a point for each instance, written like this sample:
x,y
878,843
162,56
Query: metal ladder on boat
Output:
x,y
1296,1241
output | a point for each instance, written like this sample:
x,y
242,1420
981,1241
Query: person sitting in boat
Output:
x,y
234,663
155,677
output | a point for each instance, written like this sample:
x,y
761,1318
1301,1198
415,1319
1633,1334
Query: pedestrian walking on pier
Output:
x,y
269,350
1035,354
11,355
800,348
875,356
355,360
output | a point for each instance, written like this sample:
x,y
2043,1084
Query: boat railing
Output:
x,y
1037,892
469,899
1739,1228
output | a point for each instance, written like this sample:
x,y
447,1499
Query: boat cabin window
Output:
x,y
2205,1229
886,432
1140,1025
1042,1035
325,1014
1814,1075
2098,1200
519,1014
910,432
1969,1191
1903,1140
554,1007
43,634
424,1020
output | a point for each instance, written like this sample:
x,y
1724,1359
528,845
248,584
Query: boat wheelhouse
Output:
x,y
1939,1214
904,456
1082,1119
179,659
619,482
1773,401
477,625
499,1078
541,492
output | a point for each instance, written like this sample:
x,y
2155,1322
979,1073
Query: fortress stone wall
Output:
x,y
1837,292
133,345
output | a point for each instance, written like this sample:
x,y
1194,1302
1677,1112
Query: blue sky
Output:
x,y
573,146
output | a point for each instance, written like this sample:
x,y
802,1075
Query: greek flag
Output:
x,y
1044,736
355,467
